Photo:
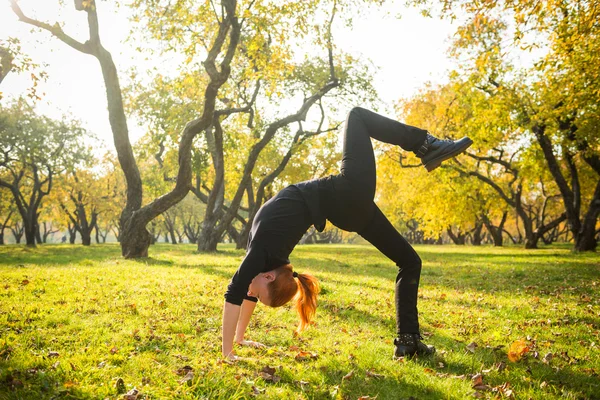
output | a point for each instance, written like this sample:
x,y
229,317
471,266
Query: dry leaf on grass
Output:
x,y
517,350
183,371
306,355
256,391
187,378
120,385
131,395
348,376
471,347
372,374
268,374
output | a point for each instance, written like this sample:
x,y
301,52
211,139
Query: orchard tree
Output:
x,y
222,38
7,212
264,110
33,150
554,100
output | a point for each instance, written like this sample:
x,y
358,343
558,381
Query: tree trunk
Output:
x,y
31,231
242,239
495,231
2,237
38,234
86,238
458,238
72,233
208,238
586,239
135,240
477,237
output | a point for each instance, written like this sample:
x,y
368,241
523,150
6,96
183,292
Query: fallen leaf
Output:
x,y
187,378
372,374
184,370
268,374
131,395
477,380
547,358
53,354
517,350
269,370
429,371
69,384
120,385
471,347
24,282
114,350
294,348
256,391
305,355
348,376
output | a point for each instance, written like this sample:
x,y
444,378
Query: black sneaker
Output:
x,y
434,151
408,344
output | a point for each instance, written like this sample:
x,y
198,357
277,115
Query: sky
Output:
x,y
409,51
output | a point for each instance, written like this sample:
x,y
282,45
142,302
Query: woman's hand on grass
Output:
x,y
250,343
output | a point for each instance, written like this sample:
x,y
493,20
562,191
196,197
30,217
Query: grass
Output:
x,y
83,323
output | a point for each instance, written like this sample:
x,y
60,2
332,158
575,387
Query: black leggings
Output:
x,y
351,206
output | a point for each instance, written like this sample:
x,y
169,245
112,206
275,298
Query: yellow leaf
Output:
x,y
517,349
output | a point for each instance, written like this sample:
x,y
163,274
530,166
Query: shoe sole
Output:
x,y
436,162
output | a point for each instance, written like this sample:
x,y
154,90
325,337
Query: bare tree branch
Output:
x,y
55,29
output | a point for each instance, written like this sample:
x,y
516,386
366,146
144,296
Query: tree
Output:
x,y
255,125
223,35
7,212
555,99
34,149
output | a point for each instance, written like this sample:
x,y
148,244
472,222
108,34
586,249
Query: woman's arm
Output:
x,y
231,314
247,310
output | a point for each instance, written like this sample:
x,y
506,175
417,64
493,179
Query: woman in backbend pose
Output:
x,y
346,200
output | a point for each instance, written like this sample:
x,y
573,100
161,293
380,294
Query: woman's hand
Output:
x,y
250,343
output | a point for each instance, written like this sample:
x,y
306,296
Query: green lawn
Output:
x,y
81,322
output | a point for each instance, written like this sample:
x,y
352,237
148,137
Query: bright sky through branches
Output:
x,y
409,52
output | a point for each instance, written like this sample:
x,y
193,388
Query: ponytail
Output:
x,y
303,288
306,299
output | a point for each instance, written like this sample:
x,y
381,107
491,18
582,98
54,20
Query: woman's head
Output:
x,y
303,288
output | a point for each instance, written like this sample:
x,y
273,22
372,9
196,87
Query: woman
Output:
x,y
346,200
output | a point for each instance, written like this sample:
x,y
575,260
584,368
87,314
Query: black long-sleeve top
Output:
x,y
277,228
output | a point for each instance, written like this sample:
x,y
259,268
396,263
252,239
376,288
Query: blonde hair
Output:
x,y
303,288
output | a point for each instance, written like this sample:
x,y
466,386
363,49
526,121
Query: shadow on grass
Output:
x,y
36,383
383,387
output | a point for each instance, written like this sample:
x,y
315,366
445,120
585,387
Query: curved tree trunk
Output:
x,y
134,237
458,238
